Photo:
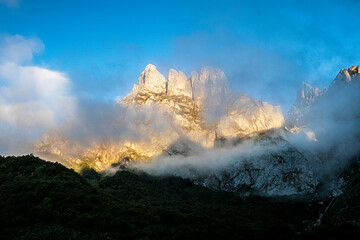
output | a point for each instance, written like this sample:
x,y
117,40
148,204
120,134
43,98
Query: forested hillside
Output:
x,y
45,200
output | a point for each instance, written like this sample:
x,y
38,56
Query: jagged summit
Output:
x,y
348,75
178,84
150,66
308,96
160,111
204,103
305,97
354,70
211,83
210,86
151,80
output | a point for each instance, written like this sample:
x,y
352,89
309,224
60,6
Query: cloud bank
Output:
x,y
32,99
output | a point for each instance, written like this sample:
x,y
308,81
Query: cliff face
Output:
x,y
306,96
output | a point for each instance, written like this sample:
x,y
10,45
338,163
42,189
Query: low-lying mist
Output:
x,y
332,127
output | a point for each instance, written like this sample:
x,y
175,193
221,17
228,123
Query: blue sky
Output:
x,y
266,48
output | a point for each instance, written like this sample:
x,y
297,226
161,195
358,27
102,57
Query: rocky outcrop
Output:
x,y
178,84
306,96
247,116
151,80
348,75
210,87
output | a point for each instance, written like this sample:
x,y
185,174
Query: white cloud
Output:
x,y
19,49
32,99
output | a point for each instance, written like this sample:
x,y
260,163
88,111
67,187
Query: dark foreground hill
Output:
x,y
44,200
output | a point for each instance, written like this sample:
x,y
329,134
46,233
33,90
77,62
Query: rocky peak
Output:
x,y
215,81
307,95
152,80
204,103
150,67
178,84
210,85
354,70
348,75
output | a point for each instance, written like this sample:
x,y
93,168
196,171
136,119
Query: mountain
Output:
x,y
158,112
183,159
198,129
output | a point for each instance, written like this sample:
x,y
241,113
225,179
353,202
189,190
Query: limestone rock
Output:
x,y
152,80
210,85
204,107
348,75
308,96
305,97
246,116
343,76
178,84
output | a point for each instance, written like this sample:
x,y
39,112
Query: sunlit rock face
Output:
x,y
205,105
348,75
138,135
246,116
98,155
152,80
178,84
210,87
200,108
